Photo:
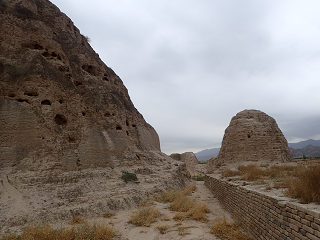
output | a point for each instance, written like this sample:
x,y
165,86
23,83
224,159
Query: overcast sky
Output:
x,y
191,65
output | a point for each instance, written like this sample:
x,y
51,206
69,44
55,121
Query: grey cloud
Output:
x,y
190,65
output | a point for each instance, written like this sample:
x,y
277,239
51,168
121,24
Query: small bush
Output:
x,y
228,231
126,176
87,38
163,228
145,216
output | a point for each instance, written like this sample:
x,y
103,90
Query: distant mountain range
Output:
x,y
308,148
308,151
303,144
206,154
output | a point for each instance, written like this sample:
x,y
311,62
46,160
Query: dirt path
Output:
x,y
187,229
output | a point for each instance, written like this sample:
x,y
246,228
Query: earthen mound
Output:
x,y
68,127
253,136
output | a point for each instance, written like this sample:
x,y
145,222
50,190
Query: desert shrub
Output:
x,y
87,38
145,216
163,228
77,220
228,231
306,185
46,232
126,176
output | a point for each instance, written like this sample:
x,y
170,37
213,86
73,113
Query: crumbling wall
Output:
x,y
266,217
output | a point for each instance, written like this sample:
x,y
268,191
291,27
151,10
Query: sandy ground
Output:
x,y
193,229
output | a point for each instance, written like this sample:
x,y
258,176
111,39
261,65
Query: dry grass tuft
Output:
x,y
108,214
183,230
165,218
301,182
77,220
198,212
171,195
180,216
182,204
227,231
230,173
145,216
187,206
81,232
253,172
163,228
306,186
145,203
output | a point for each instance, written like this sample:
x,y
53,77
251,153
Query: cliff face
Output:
x,y
253,136
60,105
68,126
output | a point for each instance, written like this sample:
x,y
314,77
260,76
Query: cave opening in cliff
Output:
x,y
60,119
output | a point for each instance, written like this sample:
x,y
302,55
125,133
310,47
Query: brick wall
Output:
x,y
266,217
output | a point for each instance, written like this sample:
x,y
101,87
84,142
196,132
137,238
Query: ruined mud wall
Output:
x,y
189,159
266,217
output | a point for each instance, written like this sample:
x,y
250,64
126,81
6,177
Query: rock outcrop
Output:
x,y
68,126
189,159
211,165
253,136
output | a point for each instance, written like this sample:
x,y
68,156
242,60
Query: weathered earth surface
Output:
x,y
253,136
68,127
211,165
189,159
